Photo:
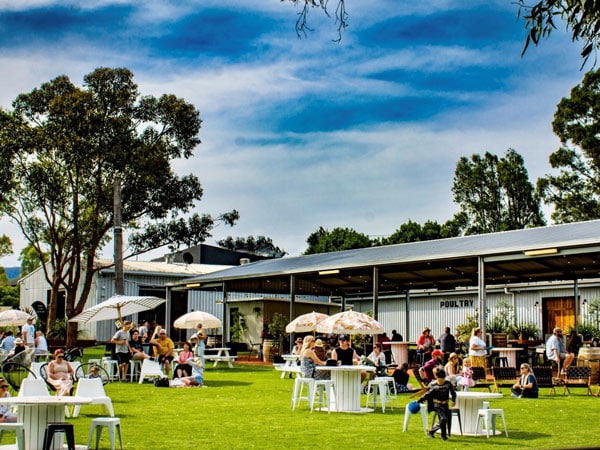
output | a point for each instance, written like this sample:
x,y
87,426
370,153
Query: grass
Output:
x,y
249,407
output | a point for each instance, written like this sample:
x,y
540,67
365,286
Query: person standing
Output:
x,y
8,343
28,333
143,331
477,349
121,340
447,343
200,338
41,345
440,393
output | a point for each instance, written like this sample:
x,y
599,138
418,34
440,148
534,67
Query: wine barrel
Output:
x,y
590,356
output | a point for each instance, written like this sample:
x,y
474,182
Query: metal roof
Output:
x,y
571,251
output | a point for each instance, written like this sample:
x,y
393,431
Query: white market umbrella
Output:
x,y
116,307
191,319
13,318
350,322
305,323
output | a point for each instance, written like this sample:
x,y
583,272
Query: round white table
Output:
x,y
510,353
347,386
399,351
36,412
469,403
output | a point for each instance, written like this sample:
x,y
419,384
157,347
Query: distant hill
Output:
x,y
12,272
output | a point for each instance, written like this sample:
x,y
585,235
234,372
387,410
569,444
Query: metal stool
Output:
x,y
132,369
407,415
501,361
299,384
111,366
112,423
18,428
59,427
489,416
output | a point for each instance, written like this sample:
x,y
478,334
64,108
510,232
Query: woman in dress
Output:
x,y
309,361
183,368
200,338
477,349
60,373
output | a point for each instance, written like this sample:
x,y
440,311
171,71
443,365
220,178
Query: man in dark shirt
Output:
x,y
344,353
447,343
397,337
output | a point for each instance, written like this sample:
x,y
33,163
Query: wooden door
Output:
x,y
558,312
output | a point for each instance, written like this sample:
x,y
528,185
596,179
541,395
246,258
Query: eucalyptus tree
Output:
x,y
575,190
259,245
325,241
64,146
495,194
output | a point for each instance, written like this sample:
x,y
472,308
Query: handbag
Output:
x,y
161,382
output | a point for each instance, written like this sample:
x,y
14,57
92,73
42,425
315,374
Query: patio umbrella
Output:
x,y
13,318
305,322
350,322
116,307
191,319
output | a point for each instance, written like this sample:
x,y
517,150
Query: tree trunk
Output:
x,y
72,332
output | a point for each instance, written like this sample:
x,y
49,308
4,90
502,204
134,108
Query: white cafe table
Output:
x,y
291,363
510,353
37,412
347,386
469,403
399,351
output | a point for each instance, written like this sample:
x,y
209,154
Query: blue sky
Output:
x,y
303,133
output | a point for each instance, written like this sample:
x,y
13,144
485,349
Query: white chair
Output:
x,y
112,368
150,369
33,388
35,368
18,428
324,390
94,389
135,367
407,414
489,419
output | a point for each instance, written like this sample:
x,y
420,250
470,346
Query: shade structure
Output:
x,y
191,319
306,322
117,307
350,322
13,318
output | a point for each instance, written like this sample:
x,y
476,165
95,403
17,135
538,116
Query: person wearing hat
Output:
x,y
344,353
425,345
28,331
556,350
436,361
297,346
320,350
19,346
163,348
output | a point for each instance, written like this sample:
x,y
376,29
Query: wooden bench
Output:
x,y
221,358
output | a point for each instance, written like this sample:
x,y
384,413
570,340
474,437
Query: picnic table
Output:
x,y
221,355
289,366
37,411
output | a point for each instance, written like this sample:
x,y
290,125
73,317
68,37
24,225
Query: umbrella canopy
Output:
x,y
350,322
191,319
305,323
13,318
116,307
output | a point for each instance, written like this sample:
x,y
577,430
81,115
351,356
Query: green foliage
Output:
x,y
58,330
31,259
502,320
324,241
575,190
495,194
465,329
587,329
259,245
276,326
238,326
593,313
9,295
414,232
526,330
5,245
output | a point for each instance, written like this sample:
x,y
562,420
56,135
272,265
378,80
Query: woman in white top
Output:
x,y
41,345
477,349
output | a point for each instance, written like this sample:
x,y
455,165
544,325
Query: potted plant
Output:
x,y
276,329
236,332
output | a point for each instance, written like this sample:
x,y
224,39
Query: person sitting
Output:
x,y
426,371
163,348
60,373
18,348
344,353
425,345
6,413
396,337
452,369
320,350
527,386
136,346
184,369
556,350
309,360
297,347
401,377
574,343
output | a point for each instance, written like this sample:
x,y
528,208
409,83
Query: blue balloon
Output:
x,y
414,407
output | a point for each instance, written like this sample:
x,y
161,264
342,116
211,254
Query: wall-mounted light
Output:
x,y
585,301
192,285
540,252
329,272
536,304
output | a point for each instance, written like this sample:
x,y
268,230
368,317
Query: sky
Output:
x,y
299,134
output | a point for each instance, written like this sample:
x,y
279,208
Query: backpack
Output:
x,y
161,382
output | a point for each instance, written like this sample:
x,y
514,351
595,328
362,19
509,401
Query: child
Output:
x,y
439,393
466,381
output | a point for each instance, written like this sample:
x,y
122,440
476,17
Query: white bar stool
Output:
x,y
382,389
324,389
299,384
489,416
112,368
407,414
18,428
133,365
112,423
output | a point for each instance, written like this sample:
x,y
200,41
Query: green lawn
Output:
x,y
249,407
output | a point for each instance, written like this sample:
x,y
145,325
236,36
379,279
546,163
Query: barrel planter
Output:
x,y
590,356
268,346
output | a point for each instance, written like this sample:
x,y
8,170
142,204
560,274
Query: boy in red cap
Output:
x,y
437,359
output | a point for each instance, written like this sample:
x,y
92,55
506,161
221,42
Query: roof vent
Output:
x,y
244,261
